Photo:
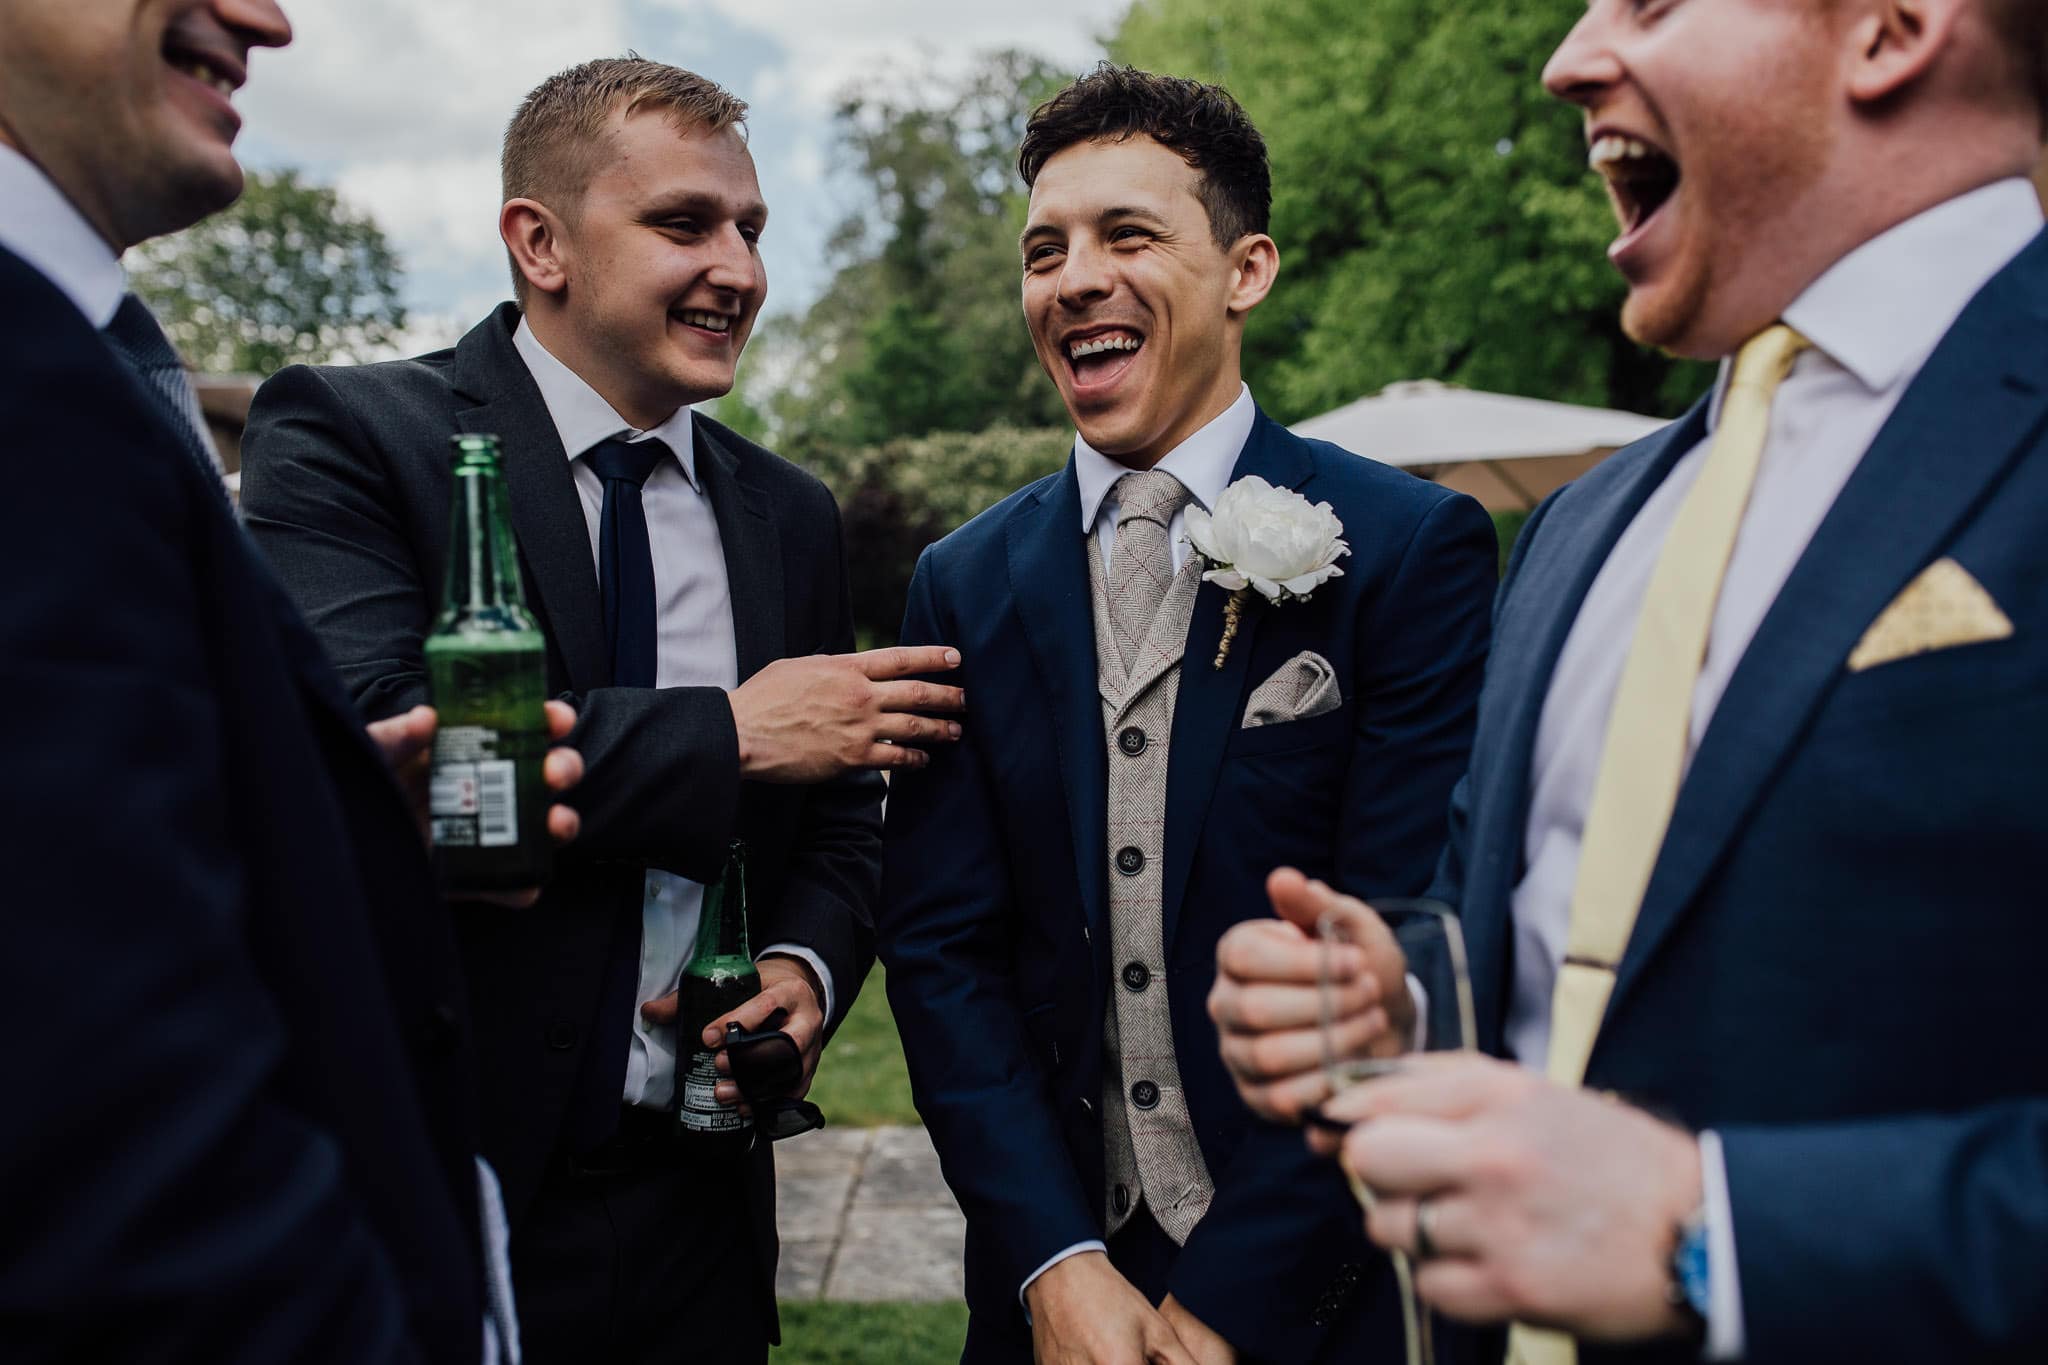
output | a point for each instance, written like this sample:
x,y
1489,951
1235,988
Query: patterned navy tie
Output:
x,y
143,347
625,569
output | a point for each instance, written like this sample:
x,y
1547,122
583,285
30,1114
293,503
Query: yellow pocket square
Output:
x,y
1942,608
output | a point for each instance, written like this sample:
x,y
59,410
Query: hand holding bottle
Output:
x,y
407,743
788,985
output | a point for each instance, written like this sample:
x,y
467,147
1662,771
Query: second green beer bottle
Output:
x,y
719,978
487,677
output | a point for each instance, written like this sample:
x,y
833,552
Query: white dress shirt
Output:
x,y
45,229
1202,463
1874,318
695,647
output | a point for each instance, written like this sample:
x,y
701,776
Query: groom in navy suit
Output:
x,y
1809,935
1055,885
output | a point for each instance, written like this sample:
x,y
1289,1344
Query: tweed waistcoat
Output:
x,y
1149,1147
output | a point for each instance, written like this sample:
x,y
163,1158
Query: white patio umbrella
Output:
x,y
1426,422
1424,425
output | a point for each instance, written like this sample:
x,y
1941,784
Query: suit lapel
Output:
x,y
753,553
1207,707
1528,641
1049,577
547,514
1976,407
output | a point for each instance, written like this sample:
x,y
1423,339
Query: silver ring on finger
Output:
x,y
1425,1221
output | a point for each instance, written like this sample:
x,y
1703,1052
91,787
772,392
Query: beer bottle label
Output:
x,y
699,1111
472,796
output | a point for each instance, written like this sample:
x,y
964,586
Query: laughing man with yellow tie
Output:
x,y
1755,830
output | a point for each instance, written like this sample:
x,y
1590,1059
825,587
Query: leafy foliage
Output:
x,y
919,329
900,496
1431,202
289,274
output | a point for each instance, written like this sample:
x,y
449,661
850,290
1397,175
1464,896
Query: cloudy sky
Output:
x,y
400,104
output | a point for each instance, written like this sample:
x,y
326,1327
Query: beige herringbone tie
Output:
x,y
1648,730
1141,562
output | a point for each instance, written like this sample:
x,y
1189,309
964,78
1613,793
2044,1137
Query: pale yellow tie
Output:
x,y
1648,730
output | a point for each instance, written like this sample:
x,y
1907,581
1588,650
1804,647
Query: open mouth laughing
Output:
x,y
1098,356
1641,179
216,70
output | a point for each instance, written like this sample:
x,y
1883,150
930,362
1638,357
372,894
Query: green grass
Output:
x,y
871,1333
861,1081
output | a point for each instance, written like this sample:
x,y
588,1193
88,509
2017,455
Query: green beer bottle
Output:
x,y
720,978
487,675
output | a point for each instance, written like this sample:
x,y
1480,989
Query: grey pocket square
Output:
x,y
1302,687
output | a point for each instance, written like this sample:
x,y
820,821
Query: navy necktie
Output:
x,y
625,569
142,346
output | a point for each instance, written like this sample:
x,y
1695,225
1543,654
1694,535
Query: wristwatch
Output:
x,y
1691,1288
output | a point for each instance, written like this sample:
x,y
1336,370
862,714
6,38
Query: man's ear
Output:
x,y
533,234
1254,265
1895,42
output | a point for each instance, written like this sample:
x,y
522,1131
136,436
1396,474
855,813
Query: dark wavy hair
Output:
x,y
1202,123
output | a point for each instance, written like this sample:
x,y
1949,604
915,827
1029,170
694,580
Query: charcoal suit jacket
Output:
x,y
346,486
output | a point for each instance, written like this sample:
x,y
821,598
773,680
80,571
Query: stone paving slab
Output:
x,y
865,1216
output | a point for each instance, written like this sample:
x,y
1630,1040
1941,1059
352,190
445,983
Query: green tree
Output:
x,y
919,329
1432,204
289,274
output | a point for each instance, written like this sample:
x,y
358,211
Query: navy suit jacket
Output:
x,y
994,927
238,1119
1839,954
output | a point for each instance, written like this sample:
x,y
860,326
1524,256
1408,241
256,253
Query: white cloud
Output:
x,y
401,103
831,45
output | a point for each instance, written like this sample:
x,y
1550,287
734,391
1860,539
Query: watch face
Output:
x,y
1689,1266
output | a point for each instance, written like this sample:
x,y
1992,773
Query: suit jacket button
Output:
x,y
1145,1095
1120,1200
1131,741
561,1035
1130,861
1137,976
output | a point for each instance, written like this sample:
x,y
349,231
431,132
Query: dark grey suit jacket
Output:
x,y
346,488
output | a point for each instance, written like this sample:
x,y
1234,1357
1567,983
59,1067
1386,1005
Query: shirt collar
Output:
x,y
45,229
1880,311
583,419
1202,462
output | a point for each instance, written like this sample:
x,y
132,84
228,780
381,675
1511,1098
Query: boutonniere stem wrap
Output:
x,y
1265,540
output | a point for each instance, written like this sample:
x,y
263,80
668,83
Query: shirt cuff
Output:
x,y
809,958
1724,1282
1075,1250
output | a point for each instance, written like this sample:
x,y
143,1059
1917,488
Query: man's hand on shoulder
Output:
x,y
407,743
812,718
1083,1312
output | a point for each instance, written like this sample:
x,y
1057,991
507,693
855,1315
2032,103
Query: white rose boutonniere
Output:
x,y
1267,540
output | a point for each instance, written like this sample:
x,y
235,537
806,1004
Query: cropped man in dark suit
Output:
x,y
1754,830
240,1120
1055,884
689,583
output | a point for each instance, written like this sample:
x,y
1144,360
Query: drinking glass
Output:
x,y
1428,935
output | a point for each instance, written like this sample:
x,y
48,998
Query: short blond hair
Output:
x,y
557,139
